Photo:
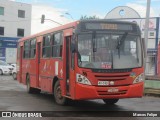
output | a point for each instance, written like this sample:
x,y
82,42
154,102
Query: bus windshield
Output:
x,y
109,51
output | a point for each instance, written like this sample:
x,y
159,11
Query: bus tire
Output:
x,y
29,88
59,99
110,101
1,72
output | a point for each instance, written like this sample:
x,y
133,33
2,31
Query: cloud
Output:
x,y
141,9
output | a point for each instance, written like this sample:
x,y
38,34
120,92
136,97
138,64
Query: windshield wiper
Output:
x,y
120,42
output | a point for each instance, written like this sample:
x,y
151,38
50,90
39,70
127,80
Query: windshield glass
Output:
x,y
109,51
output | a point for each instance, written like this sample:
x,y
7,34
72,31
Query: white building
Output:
x,y
15,22
125,13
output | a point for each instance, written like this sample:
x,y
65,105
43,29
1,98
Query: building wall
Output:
x,y
10,19
11,22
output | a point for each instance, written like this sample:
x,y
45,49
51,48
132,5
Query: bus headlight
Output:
x,y
82,79
139,78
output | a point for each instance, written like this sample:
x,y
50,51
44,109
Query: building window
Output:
x,y
57,45
1,30
21,13
33,48
20,32
1,10
46,46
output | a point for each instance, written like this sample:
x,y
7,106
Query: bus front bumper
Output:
x,y
96,92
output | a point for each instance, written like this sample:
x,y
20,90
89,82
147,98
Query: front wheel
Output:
x,y
110,101
58,94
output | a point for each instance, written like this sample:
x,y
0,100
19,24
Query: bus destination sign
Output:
x,y
108,26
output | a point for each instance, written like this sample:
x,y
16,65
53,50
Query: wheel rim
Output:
x,y
59,96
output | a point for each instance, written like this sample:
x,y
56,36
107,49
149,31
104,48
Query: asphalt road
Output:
x,y
13,97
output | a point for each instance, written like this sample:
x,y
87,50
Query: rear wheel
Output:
x,y
58,94
1,72
29,88
110,101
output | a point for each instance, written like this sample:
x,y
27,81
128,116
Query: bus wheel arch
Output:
x,y
59,99
55,79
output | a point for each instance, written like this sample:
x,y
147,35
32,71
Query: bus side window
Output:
x,y
46,53
33,48
57,45
26,49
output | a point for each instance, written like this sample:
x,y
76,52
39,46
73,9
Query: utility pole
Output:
x,y
147,27
147,23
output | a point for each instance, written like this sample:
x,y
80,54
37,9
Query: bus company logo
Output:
x,y
133,75
6,114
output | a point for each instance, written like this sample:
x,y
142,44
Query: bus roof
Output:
x,y
70,25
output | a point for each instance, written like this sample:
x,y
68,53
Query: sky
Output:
x,y
78,8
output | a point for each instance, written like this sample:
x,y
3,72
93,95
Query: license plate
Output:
x,y
103,83
111,90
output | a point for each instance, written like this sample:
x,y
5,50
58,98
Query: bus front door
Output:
x,y
38,64
69,70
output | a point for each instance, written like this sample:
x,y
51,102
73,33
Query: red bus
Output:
x,y
87,59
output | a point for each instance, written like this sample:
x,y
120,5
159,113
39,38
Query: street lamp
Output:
x,y
69,15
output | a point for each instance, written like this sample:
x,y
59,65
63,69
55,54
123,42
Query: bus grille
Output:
x,y
112,77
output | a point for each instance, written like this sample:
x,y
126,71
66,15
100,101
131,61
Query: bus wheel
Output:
x,y
1,72
110,101
57,94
